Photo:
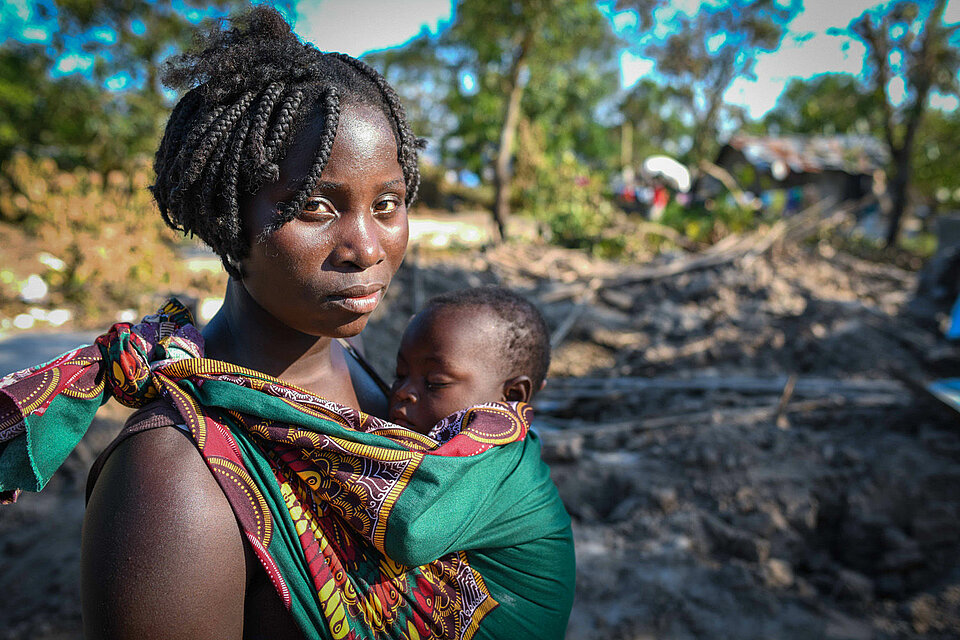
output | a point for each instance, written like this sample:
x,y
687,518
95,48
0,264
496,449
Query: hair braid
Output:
x,y
230,217
220,129
269,171
178,183
258,132
167,151
331,118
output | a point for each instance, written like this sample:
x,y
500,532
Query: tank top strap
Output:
x,y
366,366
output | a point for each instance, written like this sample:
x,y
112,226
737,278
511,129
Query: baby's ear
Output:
x,y
518,389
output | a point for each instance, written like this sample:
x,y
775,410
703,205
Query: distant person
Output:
x,y
467,348
661,198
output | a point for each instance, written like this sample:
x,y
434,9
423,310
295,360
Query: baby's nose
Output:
x,y
404,393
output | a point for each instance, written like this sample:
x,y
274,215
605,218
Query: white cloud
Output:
x,y
808,50
358,26
34,34
896,91
73,62
633,67
952,13
943,102
820,15
625,20
19,8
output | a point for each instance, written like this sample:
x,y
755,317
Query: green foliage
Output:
x,y
832,103
659,118
907,41
936,158
707,223
570,68
568,199
116,249
436,192
76,119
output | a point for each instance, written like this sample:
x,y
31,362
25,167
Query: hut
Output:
x,y
842,167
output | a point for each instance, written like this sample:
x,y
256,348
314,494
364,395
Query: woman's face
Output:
x,y
324,272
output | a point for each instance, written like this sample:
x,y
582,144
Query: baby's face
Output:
x,y
449,359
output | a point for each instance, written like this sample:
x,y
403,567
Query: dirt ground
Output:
x,y
745,449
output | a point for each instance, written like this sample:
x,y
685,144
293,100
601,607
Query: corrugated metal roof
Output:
x,y
851,154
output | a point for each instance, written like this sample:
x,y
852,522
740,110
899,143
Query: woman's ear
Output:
x,y
518,389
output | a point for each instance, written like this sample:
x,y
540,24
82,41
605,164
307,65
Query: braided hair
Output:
x,y
250,89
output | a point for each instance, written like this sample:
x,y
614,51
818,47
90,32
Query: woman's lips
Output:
x,y
358,299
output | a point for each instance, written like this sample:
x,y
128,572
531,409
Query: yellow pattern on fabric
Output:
x,y
44,390
239,477
516,426
193,416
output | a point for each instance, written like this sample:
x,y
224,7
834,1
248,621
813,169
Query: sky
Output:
x,y
807,50
359,26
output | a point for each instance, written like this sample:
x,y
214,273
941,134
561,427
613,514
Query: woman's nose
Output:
x,y
360,243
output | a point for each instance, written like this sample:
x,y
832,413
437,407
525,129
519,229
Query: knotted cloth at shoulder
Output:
x,y
67,391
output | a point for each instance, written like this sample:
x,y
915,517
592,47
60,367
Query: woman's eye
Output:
x,y
434,385
386,206
317,206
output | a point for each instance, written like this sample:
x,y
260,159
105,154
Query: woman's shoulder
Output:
x,y
159,530
152,469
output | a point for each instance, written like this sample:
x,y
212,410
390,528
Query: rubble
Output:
x,y
741,436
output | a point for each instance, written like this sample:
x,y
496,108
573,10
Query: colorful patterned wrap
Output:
x,y
332,500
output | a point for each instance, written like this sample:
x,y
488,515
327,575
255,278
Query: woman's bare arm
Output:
x,y
162,555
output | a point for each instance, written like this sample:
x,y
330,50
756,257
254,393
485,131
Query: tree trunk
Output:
x,y
501,169
921,77
898,194
705,128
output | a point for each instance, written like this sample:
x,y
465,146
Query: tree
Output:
x,y
422,80
936,157
105,117
910,46
518,48
832,103
658,119
504,67
702,55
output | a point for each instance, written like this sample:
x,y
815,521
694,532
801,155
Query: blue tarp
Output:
x,y
953,332
948,390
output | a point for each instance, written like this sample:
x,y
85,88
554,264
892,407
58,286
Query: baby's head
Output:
x,y
466,348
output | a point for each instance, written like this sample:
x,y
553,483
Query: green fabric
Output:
x,y
495,505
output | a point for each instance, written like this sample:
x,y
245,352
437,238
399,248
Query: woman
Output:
x,y
253,500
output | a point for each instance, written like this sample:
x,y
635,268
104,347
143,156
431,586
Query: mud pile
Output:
x,y
746,449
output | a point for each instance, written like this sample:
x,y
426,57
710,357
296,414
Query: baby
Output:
x,y
466,348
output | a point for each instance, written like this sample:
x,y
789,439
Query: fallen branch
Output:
x,y
805,386
555,429
584,302
788,388
727,250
